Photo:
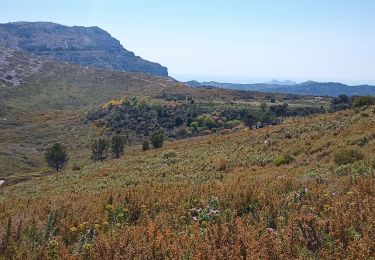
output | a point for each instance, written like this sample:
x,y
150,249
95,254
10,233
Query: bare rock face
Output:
x,y
85,46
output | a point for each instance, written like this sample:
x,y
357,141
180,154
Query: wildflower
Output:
x,y
105,225
86,250
195,218
204,224
327,208
96,226
73,230
280,219
86,247
270,230
53,246
350,193
53,243
120,217
83,226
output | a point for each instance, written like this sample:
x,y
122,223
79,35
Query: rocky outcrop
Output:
x,y
85,46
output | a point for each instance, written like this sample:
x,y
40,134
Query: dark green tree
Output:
x,y
341,102
157,139
250,120
56,156
99,149
117,145
145,145
280,110
266,119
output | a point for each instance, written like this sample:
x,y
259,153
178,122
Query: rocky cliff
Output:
x,y
85,46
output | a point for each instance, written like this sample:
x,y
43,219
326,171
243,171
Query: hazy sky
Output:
x,y
233,40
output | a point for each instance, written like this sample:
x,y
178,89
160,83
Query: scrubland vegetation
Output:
x,y
303,189
184,117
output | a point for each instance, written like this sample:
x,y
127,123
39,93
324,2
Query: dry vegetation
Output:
x,y
220,196
51,103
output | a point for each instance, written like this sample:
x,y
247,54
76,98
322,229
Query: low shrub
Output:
x,y
76,167
145,145
363,101
347,156
221,164
283,159
343,170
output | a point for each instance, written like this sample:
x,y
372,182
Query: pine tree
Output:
x,y
99,149
56,156
117,145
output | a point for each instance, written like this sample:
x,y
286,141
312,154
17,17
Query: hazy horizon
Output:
x,y
240,41
243,79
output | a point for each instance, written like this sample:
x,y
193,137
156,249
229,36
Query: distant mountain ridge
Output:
x,y
306,88
283,82
85,46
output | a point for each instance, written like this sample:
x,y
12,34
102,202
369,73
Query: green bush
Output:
x,y
363,101
347,156
157,139
145,145
283,159
232,124
194,127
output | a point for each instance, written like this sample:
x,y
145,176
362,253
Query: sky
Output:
x,y
243,41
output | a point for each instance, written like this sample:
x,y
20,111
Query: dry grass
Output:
x,y
140,207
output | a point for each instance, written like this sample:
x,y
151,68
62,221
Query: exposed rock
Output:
x,y
85,46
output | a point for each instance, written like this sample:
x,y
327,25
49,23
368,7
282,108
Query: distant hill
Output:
x,y
306,88
48,84
85,46
282,82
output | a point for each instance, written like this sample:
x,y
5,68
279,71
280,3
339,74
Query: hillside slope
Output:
x,y
54,85
15,66
85,46
213,197
46,101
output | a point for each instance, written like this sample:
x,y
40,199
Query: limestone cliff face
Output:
x,y
85,46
